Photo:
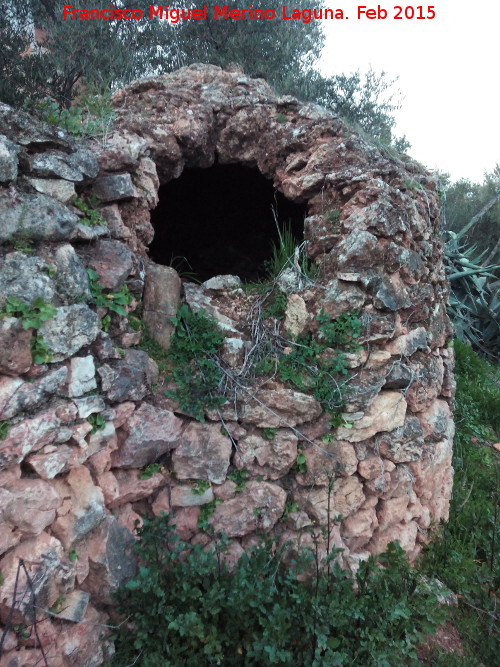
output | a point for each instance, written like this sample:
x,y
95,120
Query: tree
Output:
x,y
111,53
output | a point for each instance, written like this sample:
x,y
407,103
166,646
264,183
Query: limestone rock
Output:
x,y
81,376
162,289
149,433
112,560
296,315
26,278
82,507
128,379
258,506
71,277
346,498
386,412
30,507
63,191
341,297
8,159
114,187
203,453
185,496
37,217
280,407
69,330
325,460
408,344
28,436
270,458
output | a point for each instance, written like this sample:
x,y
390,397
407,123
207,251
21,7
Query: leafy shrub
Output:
x,y
89,208
91,116
185,607
115,301
31,316
308,369
192,356
465,556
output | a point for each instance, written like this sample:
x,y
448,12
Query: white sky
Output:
x,y
449,75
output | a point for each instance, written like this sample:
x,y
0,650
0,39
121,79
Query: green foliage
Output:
x,y
206,511
287,253
115,301
2,579
40,353
89,208
31,316
184,607
466,556
275,305
150,470
290,507
193,365
269,433
4,429
73,555
314,363
300,465
333,217
472,253
91,116
97,421
200,486
240,478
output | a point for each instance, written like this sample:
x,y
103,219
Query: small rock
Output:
x,y
202,453
128,379
69,330
114,187
149,433
81,377
36,217
8,159
15,349
258,506
63,191
385,413
162,290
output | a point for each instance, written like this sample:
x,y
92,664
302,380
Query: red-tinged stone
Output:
x,y
203,453
257,507
149,433
270,458
28,436
84,509
31,506
327,460
404,533
111,559
15,350
112,261
392,511
132,488
51,577
161,504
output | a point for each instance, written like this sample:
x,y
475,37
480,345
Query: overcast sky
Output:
x,y
449,74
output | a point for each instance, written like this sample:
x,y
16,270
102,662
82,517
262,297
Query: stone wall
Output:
x,y
79,427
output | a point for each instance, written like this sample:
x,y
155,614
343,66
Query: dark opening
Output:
x,y
220,220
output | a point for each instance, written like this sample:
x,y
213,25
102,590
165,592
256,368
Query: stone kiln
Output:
x,y
80,427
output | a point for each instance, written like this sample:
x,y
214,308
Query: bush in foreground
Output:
x,y
186,608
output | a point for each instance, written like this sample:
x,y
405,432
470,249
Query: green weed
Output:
x,y
193,366
97,422
31,316
150,470
115,301
185,607
89,208
240,478
40,353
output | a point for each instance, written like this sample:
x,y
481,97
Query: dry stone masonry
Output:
x,y
83,410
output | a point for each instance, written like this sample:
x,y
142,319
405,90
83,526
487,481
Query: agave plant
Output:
x,y
474,303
